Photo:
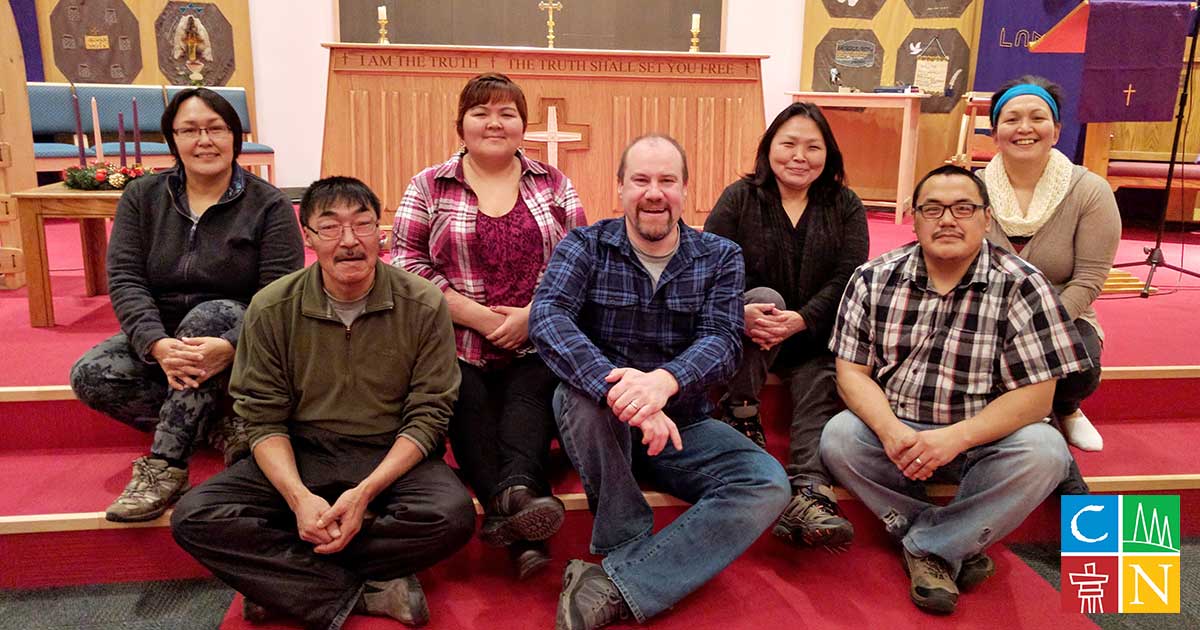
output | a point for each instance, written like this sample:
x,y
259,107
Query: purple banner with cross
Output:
x,y
1132,62
1006,29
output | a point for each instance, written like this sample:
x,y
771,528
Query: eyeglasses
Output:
x,y
334,231
215,132
934,211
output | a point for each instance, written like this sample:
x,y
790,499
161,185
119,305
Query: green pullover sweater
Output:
x,y
393,370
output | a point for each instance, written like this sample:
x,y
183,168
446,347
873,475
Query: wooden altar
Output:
x,y
390,113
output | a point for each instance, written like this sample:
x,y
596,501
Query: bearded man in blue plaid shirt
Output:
x,y
638,316
947,355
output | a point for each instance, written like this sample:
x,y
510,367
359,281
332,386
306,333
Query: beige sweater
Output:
x,y
1076,247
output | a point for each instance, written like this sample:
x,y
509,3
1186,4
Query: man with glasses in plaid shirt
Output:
x,y
638,316
947,354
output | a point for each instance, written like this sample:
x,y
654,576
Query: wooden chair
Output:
x,y
975,147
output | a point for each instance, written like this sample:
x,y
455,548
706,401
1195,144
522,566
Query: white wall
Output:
x,y
775,28
290,72
291,69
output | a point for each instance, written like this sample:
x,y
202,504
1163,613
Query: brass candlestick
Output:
x,y
550,8
383,38
695,41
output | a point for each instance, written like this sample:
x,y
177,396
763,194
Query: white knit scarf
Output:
x,y
1051,189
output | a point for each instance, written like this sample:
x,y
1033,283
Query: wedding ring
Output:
x,y
918,460
634,404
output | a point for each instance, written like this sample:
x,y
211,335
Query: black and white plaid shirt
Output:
x,y
942,359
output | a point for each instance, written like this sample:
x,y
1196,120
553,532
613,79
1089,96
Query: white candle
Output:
x,y
382,12
695,21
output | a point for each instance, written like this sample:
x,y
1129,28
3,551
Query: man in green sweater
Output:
x,y
346,375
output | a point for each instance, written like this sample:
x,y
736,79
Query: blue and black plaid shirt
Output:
x,y
598,309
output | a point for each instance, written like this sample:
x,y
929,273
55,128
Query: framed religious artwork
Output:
x,y
95,41
195,44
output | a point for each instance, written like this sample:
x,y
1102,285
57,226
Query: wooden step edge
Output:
x,y
39,393
575,501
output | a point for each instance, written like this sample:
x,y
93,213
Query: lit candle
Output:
x,y
78,128
695,21
382,12
137,135
96,132
121,134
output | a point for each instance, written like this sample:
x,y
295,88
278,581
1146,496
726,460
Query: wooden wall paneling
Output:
x,y
711,103
16,149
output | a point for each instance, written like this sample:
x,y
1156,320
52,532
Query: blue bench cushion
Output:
x,y
54,150
252,147
113,149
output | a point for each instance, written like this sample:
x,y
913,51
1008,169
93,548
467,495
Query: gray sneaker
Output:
x,y
589,599
401,599
931,588
154,487
975,571
812,518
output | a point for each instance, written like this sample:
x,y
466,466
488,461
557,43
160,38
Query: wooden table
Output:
x,y
92,208
910,103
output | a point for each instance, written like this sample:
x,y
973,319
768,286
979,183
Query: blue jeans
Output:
x,y
736,489
999,485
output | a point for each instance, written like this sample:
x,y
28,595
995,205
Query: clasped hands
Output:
x,y
767,325
512,332
637,398
331,528
189,361
918,454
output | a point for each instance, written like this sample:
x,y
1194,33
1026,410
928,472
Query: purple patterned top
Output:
x,y
509,262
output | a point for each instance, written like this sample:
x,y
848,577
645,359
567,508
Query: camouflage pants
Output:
x,y
112,379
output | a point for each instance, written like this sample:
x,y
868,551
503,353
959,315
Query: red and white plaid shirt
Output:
x,y
434,232
941,359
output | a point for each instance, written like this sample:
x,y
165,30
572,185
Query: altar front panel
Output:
x,y
390,113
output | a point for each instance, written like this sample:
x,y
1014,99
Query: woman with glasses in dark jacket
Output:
x,y
190,246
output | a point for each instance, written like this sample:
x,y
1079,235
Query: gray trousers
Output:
x,y
812,387
112,379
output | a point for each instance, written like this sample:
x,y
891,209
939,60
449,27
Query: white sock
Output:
x,y
1080,433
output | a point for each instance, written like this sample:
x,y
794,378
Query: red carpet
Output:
x,y
771,586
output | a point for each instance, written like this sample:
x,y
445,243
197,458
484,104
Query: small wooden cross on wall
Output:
x,y
1129,92
550,8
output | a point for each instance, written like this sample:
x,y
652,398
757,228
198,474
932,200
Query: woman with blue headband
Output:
x,y
1058,216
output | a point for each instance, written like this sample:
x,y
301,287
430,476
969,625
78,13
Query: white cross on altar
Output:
x,y
552,136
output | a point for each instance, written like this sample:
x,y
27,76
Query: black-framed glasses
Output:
x,y
215,132
934,211
333,232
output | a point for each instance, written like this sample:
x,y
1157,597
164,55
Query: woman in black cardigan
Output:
x,y
802,232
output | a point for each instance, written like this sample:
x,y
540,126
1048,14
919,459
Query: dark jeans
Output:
x,y
813,389
736,490
1074,388
239,526
112,379
502,426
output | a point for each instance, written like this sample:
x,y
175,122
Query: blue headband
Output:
x,y
1024,89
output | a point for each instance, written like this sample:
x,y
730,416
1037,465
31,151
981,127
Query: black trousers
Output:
x,y
503,424
1074,388
238,526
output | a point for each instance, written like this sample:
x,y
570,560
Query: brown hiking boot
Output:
x,y
401,599
749,426
154,487
931,588
518,514
589,599
975,571
528,558
229,436
812,518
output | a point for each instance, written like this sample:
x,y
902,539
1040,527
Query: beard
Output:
x,y
655,227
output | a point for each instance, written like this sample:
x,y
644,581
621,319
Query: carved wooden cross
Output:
x,y
1129,91
552,134
550,8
